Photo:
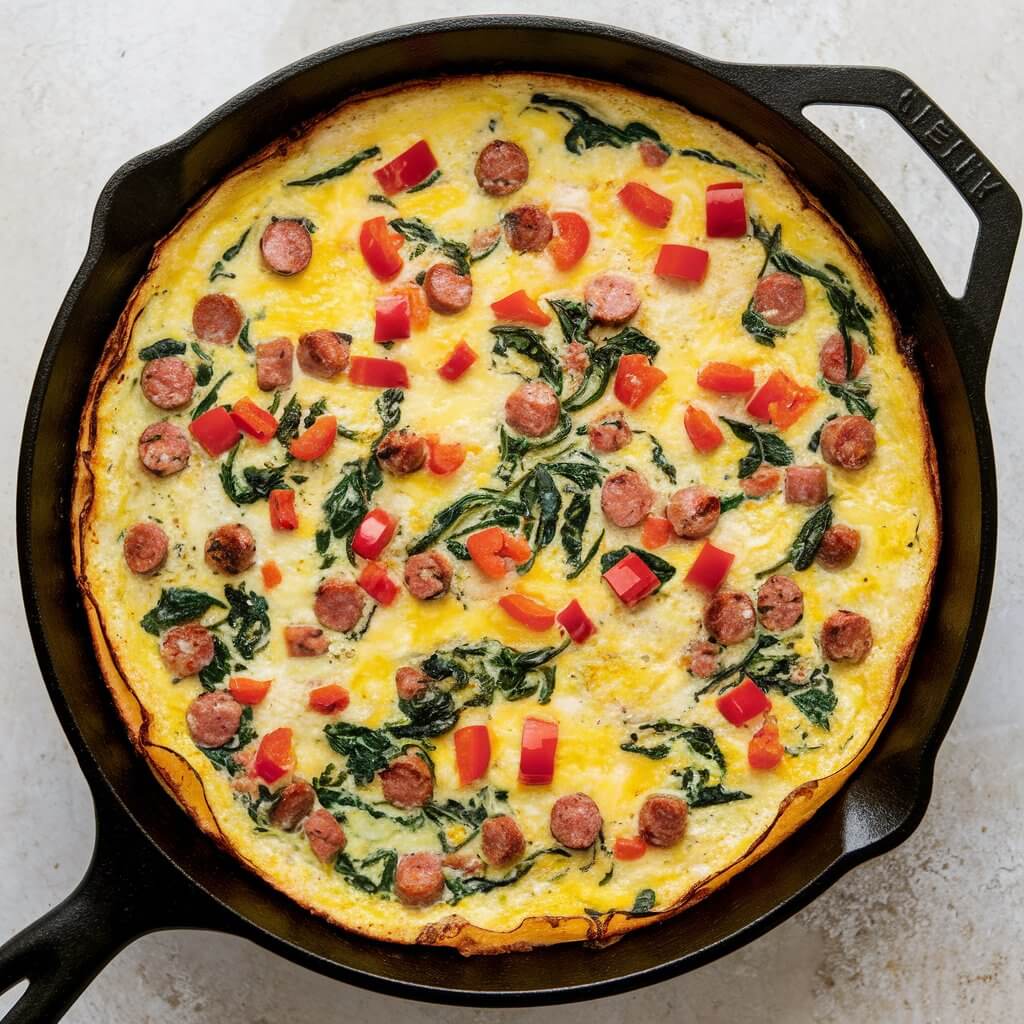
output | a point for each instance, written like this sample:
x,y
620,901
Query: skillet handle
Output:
x,y
982,187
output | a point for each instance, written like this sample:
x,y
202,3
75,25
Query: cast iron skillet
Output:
x,y
152,869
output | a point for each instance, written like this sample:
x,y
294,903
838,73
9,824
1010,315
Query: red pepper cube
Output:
x,y
709,567
374,579
254,421
743,702
393,321
725,210
537,752
378,373
373,534
329,698
575,621
472,752
274,757
216,431
407,169
683,262
282,510
461,359
631,579
520,308
645,204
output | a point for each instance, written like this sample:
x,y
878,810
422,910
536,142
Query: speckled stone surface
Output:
x,y
931,932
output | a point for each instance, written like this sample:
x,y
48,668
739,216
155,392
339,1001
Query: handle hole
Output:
x,y
943,223
11,996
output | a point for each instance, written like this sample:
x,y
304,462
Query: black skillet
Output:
x,y
153,870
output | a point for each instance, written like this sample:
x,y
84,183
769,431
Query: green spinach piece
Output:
x,y
765,446
288,424
815,441
854,395
227,256
259,482
758,328
162,349
818,701
530,344
423,237
250,619
338,170
374,874
210,398
644,902
604,361
426,183
709,158
698,792
573,319
728,502
177,605
214,674
472,885
699,738
808,539
366,751
243,339
588,131
513,448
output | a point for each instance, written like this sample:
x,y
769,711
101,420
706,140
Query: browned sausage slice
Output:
x,y
729,617
274,364
293,805
576,821
833,359
502,841
484,240
652,154
762,482
467,863
323,354
411,682
839,546
402,452
780,299
693,511
407,782
168,383
610,433
446,289
187,649
848,441
287,247
163,448
662,820
428,575
419,880
145,548
626,498
230,549
575,358
326,837
217,319
305,641
501,168
533,409
703,659
339,604
213,718
846,636
527,229
611,298
806,485
780,603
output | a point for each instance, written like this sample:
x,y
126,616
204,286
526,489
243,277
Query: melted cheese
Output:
x,y
632,670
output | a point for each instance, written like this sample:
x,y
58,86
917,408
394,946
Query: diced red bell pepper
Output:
x,y
765,749
461,359
532,614
215,430
631,579
419,311
575,621
374,579
521,308
393,320
329,698
701,429
379,249
537,751
656,532
725,210
709,567
407,169
683,262
444,459
248,691
274,757
629,848
282,510
636,379
743,702
272,575
645,204
254,421
570,240
316,440
492,548
726,378
472,752
781,400
378,373
374,533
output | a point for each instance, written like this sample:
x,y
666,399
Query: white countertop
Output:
x,y
930,932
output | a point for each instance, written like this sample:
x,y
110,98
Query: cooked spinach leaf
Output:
x,y
422,236
259,481
250,619
377,198
530,344
162,349
366,751
227,256
243,339
573,319
588,131
374,874
430,713
426,183
177,605
288,424
853,394
758,328
338,170
471,885
815,441
699,738
818,701
214,674
316,410
709,158
544,503
728,502
658,456
662,569
604,361
513,448
763,652
210,398
698,792
765,446
807,541
644,902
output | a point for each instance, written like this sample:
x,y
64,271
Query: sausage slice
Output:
x,y
213,718
419,880
230,549
411,682
527,229
287,247
626,498
693,511
407,782
483,240
662,820
611,298
501,841
293,805
145,548
780,603
305,641
576,821
703,659
326,837
832,359
652,154
164,448
533,409
846,636
762,482
446,289
402,452
323,354
428,575
729,617
168,383
806,485
610,433
575,358
274,364
339,604
217,319
848,441
780,299
187,650
501,168
839,546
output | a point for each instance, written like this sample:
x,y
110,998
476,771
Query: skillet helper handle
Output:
x,y
968,170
